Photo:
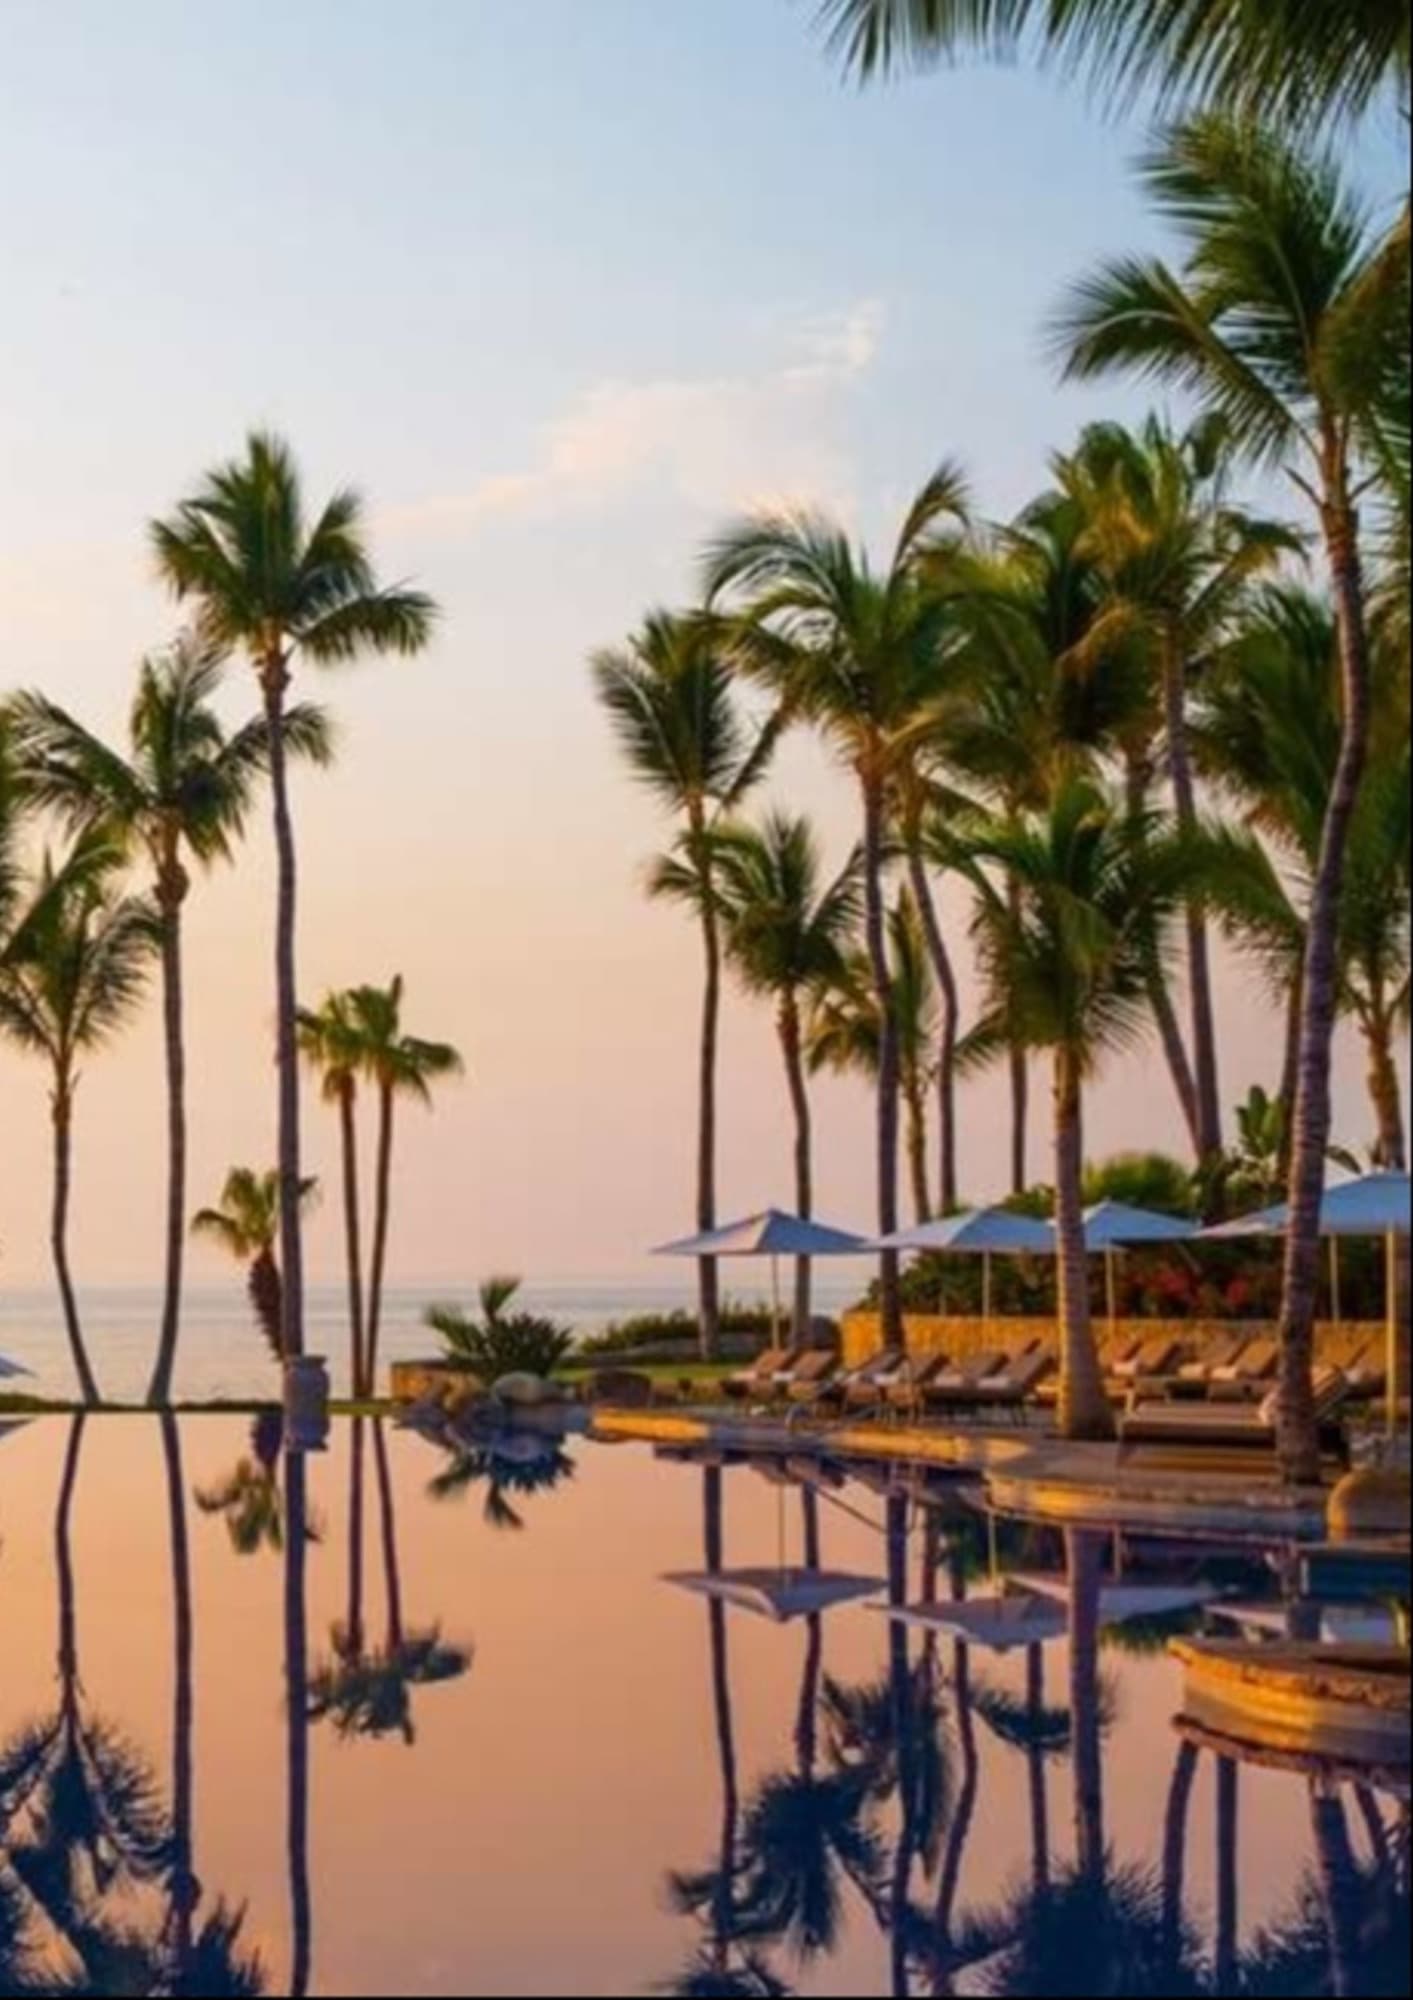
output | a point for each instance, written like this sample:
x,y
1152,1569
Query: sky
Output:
x,y
561,288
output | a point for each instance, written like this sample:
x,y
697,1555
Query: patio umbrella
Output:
x,y
1376,1205
1112,1226
773,1235
978,1232
779,1595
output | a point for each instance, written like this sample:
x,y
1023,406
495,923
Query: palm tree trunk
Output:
x,y
901,1712
64,1561
170,894
274,680
792,1043
723,1916
1084,1552
1199,955
1290,1071
392,1566
1386,1091
1228,1877
1299,1437
708,1271
63,1111
353,1234
1175,1851
355,1623
267,1300
1035,1772
807,1718
1160,999
917,1143
382,1225
951,1009
1084,1401
297,1724
1337,1874
1019,1068
186,1890
890,1290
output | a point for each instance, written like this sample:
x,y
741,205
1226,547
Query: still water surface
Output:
x,y
518,1761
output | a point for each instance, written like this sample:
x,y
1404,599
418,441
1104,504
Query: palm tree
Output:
x,y
1290,319
787,932
181,790
844,1032
267,580
861,656
332,1046
1052,685
1282,59
247,1225
1066,969
76,970
397,1065
1177,560
668,697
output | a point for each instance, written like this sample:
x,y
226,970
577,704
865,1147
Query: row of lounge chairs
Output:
x,y
892,1384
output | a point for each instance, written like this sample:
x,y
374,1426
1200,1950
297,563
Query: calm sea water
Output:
x,y
405,1719
222,1354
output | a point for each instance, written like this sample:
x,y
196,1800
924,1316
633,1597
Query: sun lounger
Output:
x,y
759,1381
809,1379
1155,1360
1197,1374
1010,1389
904,1396
942,1390
1245,1377
1231,1424
868,1389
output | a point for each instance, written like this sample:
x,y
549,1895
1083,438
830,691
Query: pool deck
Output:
x,y
1023,1473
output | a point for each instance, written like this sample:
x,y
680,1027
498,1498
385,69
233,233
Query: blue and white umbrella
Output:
x,y
1114,1226
1376,1205
771,1234
978,1232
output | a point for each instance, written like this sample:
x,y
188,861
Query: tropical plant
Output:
x,y
397,1065
1279,60
247,1226
267,580
787,932
500,1342
844,1031
1065,966
669,700
1290,319
861,655
1053,685
333,1047
511,1467
1141,1180
75,971
179,792
1177,560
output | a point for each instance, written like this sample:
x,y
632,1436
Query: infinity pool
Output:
x,y
517,1760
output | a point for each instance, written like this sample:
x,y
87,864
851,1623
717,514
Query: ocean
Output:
x,y
223,1356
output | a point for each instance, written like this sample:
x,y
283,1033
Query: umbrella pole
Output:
x,y
986,1288
1111,1270
775,1297
1394,1331
1336,1288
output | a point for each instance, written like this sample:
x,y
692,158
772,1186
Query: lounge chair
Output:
x,y
1154,1361
946,1387
759,1381
809,1379
1231,1425
904,1396
868,1387
1010,1389
1195,1377
1245,1378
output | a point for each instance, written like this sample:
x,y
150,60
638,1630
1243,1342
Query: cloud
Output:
x,y
714,441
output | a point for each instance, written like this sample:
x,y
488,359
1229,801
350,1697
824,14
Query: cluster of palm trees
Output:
x,y
1126,718
77,942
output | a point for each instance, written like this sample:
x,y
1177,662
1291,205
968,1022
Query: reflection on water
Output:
x,y
422,1715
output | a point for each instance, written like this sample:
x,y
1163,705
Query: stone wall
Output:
x,y
1339,1342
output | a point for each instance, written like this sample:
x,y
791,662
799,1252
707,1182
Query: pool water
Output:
x,y
517,1760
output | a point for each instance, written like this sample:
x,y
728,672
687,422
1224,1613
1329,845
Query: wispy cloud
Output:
x,y
715,441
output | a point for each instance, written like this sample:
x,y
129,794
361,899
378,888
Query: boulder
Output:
x,y
1370,1502
526,1392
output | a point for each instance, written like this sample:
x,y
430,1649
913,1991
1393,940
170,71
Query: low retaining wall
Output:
x,y
1337,1342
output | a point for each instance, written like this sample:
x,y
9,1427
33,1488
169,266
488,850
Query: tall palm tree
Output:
x,y
180,791
268,580
668,697
75,973
787,933
1281,59
397,1065
332,1045
860,655
1290,318
1053,684
1177,559
844,1032
1066,968
247,1226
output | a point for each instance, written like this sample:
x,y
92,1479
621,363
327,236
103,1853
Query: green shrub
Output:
x,y
672,1329
500,1343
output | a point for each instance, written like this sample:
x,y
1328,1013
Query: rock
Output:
x,y
1370,1502
526,1392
